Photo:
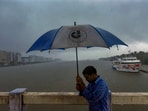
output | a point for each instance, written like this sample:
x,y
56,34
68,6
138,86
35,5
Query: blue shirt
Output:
x,y
97,95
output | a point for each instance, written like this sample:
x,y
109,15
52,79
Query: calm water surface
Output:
x,y
60,76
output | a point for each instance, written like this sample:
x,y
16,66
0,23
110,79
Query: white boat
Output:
x,y
127,64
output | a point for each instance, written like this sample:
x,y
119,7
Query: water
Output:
x,y
60,76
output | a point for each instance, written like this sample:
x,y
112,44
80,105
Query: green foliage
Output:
x,y
143,56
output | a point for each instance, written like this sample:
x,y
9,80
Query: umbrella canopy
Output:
x,y
75,36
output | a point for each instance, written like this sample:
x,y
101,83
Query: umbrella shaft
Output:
x,y
77,65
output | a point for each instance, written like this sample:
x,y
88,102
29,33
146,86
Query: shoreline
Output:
x,y
144,68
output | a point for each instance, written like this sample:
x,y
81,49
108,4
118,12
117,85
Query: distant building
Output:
x,y
35,59
3,57
14,58
7,58
18,58
25,60
11,57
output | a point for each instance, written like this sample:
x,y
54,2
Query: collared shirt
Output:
x,y
97,95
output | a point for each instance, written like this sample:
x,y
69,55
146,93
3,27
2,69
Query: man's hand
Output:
x,y
80,86
79,79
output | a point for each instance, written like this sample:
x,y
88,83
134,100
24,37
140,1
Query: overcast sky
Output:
x,y
23,21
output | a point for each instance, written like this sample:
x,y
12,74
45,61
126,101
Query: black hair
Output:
x,y
89,70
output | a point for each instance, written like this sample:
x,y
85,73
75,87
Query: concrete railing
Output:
x,y
21,97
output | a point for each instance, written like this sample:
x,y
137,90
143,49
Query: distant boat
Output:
x,y
127,64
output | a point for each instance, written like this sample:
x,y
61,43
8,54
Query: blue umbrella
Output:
x,y
75,36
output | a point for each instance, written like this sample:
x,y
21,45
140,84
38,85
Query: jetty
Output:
x,y
19,98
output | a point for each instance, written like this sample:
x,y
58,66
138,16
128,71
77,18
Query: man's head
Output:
x,y
90,74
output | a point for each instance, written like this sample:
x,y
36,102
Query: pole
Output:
x,y
16,100
77,65
74,23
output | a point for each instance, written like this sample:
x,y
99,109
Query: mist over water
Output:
x,y
60,76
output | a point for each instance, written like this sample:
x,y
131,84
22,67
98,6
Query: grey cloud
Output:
x,y
22,22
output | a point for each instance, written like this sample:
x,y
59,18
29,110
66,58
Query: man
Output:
x,y
96,93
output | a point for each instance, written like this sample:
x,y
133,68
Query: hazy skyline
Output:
x,y
24,21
